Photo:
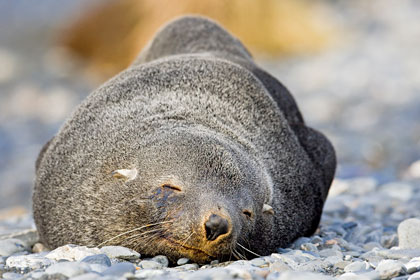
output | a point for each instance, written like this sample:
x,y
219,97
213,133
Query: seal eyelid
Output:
x,y
174,188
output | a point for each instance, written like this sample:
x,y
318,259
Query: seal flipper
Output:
x,y
320,151
41,153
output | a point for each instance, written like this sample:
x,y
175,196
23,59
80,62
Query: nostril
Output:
x,y
216,226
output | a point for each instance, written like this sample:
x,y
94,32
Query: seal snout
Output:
x,y
216,226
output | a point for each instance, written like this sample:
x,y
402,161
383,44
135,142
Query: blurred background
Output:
x,y
352,66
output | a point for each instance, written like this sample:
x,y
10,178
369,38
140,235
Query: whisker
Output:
x,y
189,236
249,251
132,230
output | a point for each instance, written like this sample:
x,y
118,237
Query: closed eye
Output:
x,y
247,213
174,188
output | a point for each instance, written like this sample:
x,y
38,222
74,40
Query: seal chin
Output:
x,y
192,253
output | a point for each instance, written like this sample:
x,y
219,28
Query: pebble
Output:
x,y
87,276
399,253
409,234
358,266
388,269
415,276
39,248
11,246
182,261
413,265
120,269
120,252
32,261
163,260
278,266
150,264
72,253
11,275
101,259
68,269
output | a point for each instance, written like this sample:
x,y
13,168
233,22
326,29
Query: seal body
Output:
x,y
192,151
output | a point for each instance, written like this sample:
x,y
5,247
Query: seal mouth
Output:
x,y
192,252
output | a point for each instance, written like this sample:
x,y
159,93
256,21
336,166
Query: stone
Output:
x,y
258,262
341,265
72,253
68,269
28,237
413,265
182,261
120,269
32,261
358,266
163,260
150,264
415,276
150,274
388,269
397,190
11,275
314,266
39,248
11,246
120,252
330,252
295,275
101,259
409,234
278,266
87,276
309,247
399,253
188,266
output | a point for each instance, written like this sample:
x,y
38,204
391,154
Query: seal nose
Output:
x,y
216,226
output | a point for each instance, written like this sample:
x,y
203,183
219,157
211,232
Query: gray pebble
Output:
x,y
87,276
390,268
150,264
69,269
358,266
278,266
150,274
214,262
399,253
120,269
409,234
413,265
182,261
330,252
11,275
415,276
341,265
39,248
101,259
309,247
163,260
120,252
33,261
258,262
98,267
295,275
11,246
188,266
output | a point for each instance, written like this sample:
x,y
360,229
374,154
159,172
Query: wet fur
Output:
x,y
194,111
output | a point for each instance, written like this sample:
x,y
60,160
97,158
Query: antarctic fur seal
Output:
x,y
193,151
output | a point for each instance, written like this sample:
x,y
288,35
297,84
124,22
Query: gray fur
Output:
x,y
195,111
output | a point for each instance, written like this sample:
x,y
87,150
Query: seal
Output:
x,y
193,151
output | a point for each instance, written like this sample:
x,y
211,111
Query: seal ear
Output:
x,y
127,174
41,153
267,209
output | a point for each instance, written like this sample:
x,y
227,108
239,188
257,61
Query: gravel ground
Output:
x,y
363,93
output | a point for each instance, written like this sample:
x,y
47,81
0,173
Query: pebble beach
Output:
x,y
363,93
